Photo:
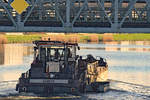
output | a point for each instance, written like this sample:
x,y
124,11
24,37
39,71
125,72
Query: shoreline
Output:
x,y
77,38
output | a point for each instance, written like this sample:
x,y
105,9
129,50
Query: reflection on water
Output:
x,y
125,66
14,59
131,77
13,54
126,46
10,75
123,46
1,54
128,61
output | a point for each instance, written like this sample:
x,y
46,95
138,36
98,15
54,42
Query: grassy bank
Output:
x,y
61,37
22,38
80,38
132,37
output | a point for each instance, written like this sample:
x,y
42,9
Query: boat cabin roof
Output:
x,y
53,43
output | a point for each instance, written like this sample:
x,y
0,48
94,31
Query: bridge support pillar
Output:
x,y
68,24
20,24
68,27
115,25
68,2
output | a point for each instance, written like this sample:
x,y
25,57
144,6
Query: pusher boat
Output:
x,y
57,69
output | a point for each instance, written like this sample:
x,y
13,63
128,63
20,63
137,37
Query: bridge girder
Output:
x,y
95,16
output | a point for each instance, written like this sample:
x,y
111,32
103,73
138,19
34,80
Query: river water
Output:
x,y
129,68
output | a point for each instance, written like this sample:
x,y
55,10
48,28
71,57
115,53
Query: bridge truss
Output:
x,y
90,16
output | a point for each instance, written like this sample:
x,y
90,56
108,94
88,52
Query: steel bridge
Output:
x,y
89,16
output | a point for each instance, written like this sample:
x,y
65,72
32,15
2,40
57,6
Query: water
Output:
x,y
129,68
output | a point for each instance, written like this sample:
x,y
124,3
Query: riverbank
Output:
x,y
132,37
79,38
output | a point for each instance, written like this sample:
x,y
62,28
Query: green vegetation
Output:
x,y
22,38
32,37
84,38
80,37
90,37
100,37
132,37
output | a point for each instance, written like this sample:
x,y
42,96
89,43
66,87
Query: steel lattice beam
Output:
x,y
131,16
